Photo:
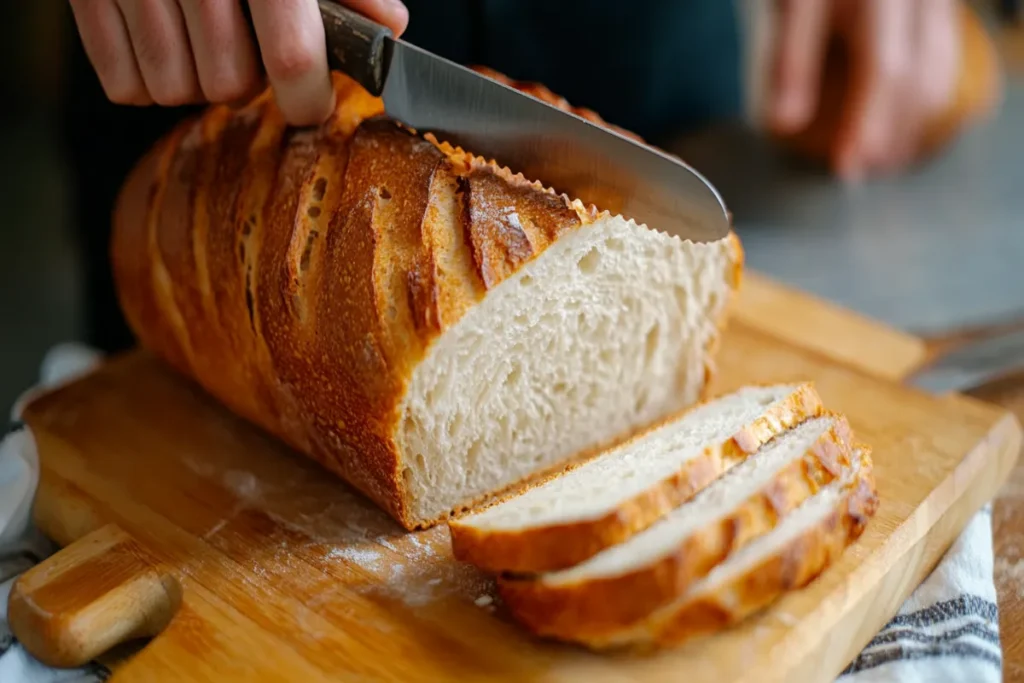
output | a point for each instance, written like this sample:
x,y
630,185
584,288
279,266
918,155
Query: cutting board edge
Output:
x,y
821,326
923,554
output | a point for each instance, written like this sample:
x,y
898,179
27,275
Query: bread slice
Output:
x,y
622,585
790,556
604,501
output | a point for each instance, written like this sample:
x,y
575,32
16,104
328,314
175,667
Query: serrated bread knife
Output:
x,y
561,150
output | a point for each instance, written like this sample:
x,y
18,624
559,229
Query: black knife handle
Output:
x,y
357,46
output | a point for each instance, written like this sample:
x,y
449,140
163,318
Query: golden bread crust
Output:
x,y
558,546
791,567
593,610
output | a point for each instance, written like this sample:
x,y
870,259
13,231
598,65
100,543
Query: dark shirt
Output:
x,y
656,67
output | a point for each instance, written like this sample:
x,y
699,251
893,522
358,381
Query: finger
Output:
x,y
109,50
879,46
223,48
294,51
929,80
162,49
896,148
391,13
799,54
937,53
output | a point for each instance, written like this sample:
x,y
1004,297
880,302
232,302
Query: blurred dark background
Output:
x,y
938,248
40,272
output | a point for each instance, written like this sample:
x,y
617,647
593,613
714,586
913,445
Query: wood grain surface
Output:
x,y
1008,537
1008,507
285,574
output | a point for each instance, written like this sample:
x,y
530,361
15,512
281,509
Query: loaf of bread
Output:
x,y
424,323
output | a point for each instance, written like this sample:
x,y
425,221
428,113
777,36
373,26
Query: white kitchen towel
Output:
x,y
947,631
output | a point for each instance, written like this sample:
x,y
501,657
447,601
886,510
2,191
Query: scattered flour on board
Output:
x,y
412,569
415,568
243,484
1012,573
364,557
424,548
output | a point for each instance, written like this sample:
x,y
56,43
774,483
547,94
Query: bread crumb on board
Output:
x,y
483,601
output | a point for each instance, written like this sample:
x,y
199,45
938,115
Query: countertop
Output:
x,y
938,248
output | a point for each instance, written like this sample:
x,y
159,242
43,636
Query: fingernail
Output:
x,y
399,11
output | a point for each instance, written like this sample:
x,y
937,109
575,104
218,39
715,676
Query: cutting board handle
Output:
x,y
102,590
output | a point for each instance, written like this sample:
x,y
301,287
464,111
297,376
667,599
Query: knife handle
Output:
x,y
356,45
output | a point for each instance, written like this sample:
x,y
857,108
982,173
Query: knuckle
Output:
x,y
106,59
152,48
892,63
209,11
213,19
120,92
291,61
172,94
221,89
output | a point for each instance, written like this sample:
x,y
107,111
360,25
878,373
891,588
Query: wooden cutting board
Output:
x,y
246,562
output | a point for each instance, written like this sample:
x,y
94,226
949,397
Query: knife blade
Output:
x,y
563,151
972,365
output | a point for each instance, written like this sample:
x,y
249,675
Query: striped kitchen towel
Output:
x,y
948,630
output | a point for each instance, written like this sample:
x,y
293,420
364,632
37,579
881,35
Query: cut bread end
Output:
x,y
601,503
607,330
619,587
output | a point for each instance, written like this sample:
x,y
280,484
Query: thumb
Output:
x,y
390,13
